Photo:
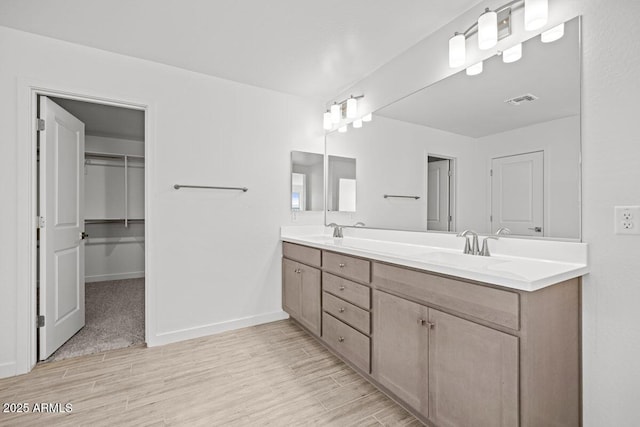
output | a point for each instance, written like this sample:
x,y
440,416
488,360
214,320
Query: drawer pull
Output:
x,y
341,309
342,288
341,339
341,265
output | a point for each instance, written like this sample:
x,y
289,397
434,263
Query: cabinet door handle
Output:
x,y
342,288
341,339
422,322
431,325
341,309
341,265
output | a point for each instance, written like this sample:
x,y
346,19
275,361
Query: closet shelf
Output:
x,y
101,155
111,220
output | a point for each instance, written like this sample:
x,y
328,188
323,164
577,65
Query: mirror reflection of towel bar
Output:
x,y
386,196
179,186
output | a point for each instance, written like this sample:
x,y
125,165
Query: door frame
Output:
x,y
27,209
453,164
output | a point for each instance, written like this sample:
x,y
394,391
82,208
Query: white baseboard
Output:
x,y
115,276
8,369
214,328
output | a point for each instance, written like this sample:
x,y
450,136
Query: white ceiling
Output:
x,y
302,47
474,105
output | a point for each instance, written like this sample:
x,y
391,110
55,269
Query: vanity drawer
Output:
x,y
490,304
350,343
347,266
304,254
347,312
352,292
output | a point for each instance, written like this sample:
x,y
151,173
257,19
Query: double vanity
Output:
x,y
458,340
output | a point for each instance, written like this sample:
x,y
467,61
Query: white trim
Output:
x,y
114,276
27,93
215,328
8,369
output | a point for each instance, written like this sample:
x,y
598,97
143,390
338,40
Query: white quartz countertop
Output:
x,y
545,263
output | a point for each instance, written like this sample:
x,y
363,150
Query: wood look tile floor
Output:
x,y
273,374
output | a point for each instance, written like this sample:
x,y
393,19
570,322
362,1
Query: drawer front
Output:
x,y
347,266
350,343
352,292
347,312
490,304
304,254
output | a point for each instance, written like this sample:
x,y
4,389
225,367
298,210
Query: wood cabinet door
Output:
x,y
310,298
473,374
400,348
291,287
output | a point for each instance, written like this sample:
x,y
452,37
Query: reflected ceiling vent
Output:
x,y
527,97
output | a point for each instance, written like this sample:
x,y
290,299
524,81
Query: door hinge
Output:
x,y
490,218
40,321
41,222
490,172
450,218
450,173
40,125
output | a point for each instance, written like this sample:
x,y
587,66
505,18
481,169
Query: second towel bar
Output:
x,y
179,186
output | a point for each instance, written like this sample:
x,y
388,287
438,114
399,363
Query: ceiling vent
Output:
x,y
527,97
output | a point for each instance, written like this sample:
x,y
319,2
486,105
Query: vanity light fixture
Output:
x,y
352,108
327,123
335,113
367,117
512,54
494,25
553,34
536,13
357,124
487,29
342,129
475,69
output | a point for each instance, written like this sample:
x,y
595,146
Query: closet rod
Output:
x,y
179,186
386,196
111,155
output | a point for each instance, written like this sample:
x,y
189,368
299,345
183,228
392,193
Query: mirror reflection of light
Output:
x,y
327,123
457,50
536,13
475,69
367,117
512,54
342,129
487,30
357,124
335,113
553,34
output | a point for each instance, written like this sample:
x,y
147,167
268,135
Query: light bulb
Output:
x,y
457,50
553,34
512,54
357,124
487,30
475,69
536,13
367,117
326,121
342,129
336,114
352,108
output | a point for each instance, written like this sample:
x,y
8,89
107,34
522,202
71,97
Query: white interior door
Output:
x,y
517,193
438,195
62,225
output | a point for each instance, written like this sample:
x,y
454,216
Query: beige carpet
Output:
x,y
114,319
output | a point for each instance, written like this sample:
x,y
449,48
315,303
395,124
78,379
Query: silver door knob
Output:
x,y
536,229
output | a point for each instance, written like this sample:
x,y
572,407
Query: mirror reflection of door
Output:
x,y
517,193
341,184
439,194
307,181
298,196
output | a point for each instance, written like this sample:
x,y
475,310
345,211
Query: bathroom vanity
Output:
x,y
459,340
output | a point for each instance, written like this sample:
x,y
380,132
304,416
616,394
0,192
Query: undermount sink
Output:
x,y
462,260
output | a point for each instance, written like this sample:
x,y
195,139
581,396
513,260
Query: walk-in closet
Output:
x,y
112,209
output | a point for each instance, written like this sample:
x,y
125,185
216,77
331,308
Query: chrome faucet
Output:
x,y
337,230
485,245
470,248
503,230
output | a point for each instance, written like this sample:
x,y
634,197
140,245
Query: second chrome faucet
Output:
x,y
473,248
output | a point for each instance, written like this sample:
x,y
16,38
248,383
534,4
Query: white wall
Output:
x,y
560,141
611,173
214,256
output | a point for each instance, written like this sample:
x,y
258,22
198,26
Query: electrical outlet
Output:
x,y
627,219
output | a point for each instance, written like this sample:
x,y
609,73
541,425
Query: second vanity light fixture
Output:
x,y
494,25
346,109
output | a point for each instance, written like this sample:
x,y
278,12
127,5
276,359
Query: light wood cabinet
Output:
x,y
301,293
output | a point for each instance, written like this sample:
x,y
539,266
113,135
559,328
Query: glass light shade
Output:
x,y
536,13
487,30
357,124
553,34
367,117
327,124
352,108
457,51
335,113
512,54
342,129
475,69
